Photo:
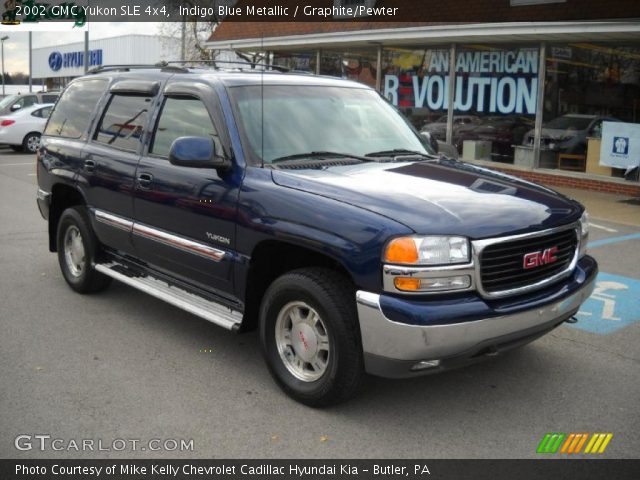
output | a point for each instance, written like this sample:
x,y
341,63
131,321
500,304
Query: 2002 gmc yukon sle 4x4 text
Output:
x,y
309,208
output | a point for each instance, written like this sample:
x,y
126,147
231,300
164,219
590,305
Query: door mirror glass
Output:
x,y
196,152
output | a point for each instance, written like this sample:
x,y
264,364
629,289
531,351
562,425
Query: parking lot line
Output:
x,y
15,164
602,227
609,241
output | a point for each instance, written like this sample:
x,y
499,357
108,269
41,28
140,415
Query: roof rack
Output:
x,y
171,66
124,68
215,63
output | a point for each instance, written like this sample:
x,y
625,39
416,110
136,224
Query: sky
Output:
x,y
16,47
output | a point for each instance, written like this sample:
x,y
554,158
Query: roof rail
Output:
x,y
125,68
215,63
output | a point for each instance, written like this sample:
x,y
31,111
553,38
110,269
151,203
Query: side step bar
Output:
x,y
187,301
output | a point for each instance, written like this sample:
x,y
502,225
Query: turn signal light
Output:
x,y
6,123
402,250
407,284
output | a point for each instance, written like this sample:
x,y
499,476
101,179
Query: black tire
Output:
x,y
30,142
332,296
16,148
75,221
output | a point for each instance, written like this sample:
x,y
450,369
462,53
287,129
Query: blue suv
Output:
x,y
309,208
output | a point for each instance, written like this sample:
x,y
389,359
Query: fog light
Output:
x,y
425,364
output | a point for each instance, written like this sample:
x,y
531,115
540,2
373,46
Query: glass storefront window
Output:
x,y
416,81
591,116
495,101
357,65
299,61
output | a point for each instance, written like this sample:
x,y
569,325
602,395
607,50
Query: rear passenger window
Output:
x,y
72,114
124,121
49,98
181,117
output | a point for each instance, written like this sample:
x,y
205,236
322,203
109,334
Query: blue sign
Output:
x,y
55,61
59,60
621,145
614,304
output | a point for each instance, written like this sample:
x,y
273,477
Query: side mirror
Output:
x,y
196,152
15,107
431,141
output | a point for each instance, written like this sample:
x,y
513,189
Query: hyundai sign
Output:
x,y
58,61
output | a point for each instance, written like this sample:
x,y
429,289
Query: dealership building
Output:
x,y
54,66
548,90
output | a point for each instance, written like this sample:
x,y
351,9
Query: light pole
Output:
x,y
6,37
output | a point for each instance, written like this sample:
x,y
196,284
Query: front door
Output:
x,y
185,217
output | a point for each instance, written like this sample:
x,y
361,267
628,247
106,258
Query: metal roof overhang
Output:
x,y
599,31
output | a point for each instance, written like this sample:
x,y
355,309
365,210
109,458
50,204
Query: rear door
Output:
x,y
185,217
110,159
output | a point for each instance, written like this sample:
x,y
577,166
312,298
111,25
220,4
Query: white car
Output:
x,y
21,130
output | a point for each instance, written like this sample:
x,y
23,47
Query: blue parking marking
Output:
x,y
614,304
609,241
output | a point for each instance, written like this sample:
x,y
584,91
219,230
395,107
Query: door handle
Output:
x,y
89,165
145,179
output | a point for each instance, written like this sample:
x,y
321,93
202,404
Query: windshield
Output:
x,y
303,119
7,101
568,122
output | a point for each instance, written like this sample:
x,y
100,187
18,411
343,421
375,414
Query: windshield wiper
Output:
x,y
401,152
320,155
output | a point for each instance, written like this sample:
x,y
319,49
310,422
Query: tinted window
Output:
x,y
28,101
123,123
72,114
49,98
42,112
181,117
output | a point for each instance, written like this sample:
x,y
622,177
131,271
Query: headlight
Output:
x,y
430,250
584,233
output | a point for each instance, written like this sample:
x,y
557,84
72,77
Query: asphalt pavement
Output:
x,y
121,365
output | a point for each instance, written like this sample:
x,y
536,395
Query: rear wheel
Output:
x,y
31,142
78,248
310,336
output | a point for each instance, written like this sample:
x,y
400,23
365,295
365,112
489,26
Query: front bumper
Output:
x,y
394,348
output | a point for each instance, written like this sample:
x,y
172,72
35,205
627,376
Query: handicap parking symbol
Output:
x,y
614,304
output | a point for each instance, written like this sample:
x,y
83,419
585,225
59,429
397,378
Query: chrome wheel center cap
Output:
x,y
304,341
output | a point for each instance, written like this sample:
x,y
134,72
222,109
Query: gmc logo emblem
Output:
x,y
538,259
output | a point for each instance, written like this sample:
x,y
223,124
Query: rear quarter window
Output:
x,y
72,114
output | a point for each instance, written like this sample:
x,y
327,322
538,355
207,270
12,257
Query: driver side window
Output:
x,y
181,117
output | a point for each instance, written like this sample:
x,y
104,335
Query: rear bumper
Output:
x,y
393,348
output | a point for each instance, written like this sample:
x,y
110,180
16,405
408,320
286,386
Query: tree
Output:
x,y
197,27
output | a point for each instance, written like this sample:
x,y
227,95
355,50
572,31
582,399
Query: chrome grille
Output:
x,y
501,263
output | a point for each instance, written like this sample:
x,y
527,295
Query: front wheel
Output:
x,y
31,142
78,248
310,336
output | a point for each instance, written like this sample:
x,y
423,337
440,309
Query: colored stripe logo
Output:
x,y
573,443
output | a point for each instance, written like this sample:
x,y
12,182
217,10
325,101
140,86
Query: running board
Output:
x,y
187,301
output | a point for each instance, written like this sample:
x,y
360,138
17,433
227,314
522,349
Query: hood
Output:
x,y
439,197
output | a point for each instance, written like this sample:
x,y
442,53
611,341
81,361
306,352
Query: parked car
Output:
x,y
569,133
13,103
502,131
22,129
439,128
308,208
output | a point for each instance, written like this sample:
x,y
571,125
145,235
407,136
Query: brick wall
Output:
x,y
629,189
431,12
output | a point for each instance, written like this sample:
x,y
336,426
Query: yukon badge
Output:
x,y
218,238
540,258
